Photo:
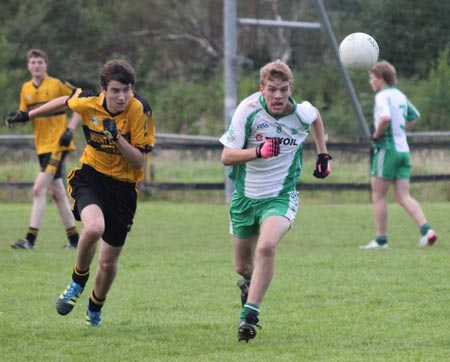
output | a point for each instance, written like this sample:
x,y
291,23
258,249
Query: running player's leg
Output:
x,y
93,227
40,188
404,198
413,208
244,254
380,188
383,171
108,261
273,229
59,194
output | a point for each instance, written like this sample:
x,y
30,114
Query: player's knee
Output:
x,y
57,197
108,266
266,248
93,231
402,199
243,268
39,191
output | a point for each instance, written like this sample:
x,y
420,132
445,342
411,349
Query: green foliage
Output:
x,y
190,106
435,105
406,35
10,95
177,50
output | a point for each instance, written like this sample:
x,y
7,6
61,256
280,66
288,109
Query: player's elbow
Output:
x,y
226,157
226,160
410,125
137,161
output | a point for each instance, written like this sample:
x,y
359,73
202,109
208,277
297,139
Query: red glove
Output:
x,y
269,148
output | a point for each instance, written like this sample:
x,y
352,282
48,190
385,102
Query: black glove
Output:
x,y
323,168
66,138
110,129
15,117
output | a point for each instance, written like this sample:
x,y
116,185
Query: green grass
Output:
x,y
175,297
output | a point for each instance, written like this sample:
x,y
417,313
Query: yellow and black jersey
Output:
x,y
135,123
47,129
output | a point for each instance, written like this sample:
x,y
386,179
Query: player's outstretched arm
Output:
x,y
55,105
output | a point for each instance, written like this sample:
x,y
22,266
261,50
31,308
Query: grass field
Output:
x,y
175,297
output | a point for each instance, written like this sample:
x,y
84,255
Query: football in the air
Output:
x,y
359,51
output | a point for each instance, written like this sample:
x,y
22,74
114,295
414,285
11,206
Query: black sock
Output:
x,y
32,235
73,236
80,276
95,303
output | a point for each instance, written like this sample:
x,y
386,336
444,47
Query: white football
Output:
x,y
359,51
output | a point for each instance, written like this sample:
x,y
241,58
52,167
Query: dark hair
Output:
x,y
37,53
118,70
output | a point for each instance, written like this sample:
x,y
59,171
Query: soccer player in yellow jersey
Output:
x,y
119,130
47,131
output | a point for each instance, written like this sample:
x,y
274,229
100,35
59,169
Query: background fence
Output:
x,y
192,163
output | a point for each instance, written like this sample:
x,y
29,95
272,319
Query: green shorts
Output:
x,y
246,215
391,165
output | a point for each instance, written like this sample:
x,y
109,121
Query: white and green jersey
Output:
x,y
392,103
250,126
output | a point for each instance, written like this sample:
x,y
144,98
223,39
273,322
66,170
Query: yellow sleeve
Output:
x,y
23,102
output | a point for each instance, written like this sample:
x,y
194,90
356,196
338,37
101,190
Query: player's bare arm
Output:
x,y
235,156
269,148
74,121
132,154
382,126
55,105
318,133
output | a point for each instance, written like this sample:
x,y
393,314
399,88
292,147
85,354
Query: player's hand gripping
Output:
x,y
66,138
15,117
110,129
269,148
323,168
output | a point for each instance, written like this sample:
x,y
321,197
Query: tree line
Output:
x,y
176,47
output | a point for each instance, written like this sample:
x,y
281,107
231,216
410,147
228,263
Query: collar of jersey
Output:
x,y
264,105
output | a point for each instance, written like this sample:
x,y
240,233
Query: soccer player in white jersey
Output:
x,y
264,147
393,115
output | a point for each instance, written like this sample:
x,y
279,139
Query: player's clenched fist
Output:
x,y
66,138
269,148
110,129
323,168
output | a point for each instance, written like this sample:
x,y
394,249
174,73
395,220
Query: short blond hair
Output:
x,y
276,70
385,70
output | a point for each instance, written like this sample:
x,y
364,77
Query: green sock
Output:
x,y
424,229
247,307
381,240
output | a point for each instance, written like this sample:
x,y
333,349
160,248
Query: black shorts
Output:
x,y
116,199
53,163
